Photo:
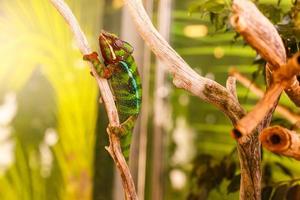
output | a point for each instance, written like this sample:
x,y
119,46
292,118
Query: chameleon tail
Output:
x,y
126,138
125,132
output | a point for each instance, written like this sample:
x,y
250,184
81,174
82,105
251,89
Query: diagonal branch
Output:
x,y
281,79
183,75
282,110
261,34
258,31
114,148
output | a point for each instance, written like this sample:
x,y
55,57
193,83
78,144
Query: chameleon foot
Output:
x,y
118,130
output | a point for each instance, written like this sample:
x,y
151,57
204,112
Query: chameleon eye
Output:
x,y
127,47
119,43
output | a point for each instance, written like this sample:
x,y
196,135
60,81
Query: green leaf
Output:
x,y
230,170
234,185
203,159
272,12
293,193
284,169
214,6
266,193
267,173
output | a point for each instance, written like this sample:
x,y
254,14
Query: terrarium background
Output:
x,y
52,129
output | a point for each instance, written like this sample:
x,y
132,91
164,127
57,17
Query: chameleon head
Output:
x,y
113,49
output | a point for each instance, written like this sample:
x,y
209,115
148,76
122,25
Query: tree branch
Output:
x,y
183,76
207,90
281,79
256,28
114,148
258,31
281,141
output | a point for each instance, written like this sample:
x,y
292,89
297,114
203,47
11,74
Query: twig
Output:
x,y
281,141
282,110
114,147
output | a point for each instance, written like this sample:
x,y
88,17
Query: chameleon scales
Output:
x,y
121,71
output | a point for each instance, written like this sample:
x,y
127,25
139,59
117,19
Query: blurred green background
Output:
x,y
52,127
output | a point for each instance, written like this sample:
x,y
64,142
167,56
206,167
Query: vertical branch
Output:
x,y
160,107
231,86
144,116
114,147
129,35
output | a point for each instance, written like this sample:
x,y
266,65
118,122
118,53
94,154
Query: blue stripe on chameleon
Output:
x,y
132,80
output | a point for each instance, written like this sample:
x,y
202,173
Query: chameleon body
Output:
x,y
121,71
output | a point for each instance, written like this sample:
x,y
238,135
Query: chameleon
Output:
x,y
122,73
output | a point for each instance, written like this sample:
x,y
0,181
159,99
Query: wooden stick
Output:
x,y
258,31
281,141
114,147
247,124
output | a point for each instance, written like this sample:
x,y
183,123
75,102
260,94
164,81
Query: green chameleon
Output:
x,y
121,70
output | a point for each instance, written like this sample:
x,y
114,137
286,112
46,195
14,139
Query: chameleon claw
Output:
x,y
91,57
100,100
118,130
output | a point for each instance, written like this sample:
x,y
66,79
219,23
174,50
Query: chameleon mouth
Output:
x,y
104,33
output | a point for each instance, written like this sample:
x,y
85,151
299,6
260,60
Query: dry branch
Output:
x,y
183,76
258,31
256,28
281,141
245,127
282,110
114,147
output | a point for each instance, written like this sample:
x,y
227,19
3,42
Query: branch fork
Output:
x,y
282,77
258,31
